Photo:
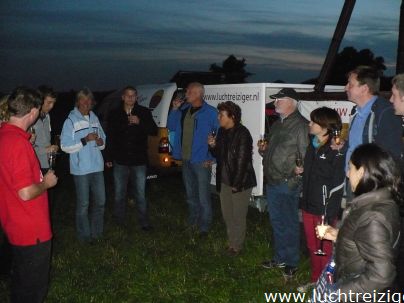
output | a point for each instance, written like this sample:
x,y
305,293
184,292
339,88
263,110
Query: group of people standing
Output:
x,y
307,166
363,170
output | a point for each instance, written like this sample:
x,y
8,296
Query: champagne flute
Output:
x,y
129,114
322,227
96,132
336,132
52,160
299,161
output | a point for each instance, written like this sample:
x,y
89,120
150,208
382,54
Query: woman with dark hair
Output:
x,y
323,169
367,242
235,176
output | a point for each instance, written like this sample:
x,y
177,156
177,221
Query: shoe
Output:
x,y
270,264
306,287
289,271
231,252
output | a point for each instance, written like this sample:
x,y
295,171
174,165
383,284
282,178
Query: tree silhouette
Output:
x,y
348,59
233,69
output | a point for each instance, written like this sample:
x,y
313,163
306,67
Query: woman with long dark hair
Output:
x,y
367,242
235,176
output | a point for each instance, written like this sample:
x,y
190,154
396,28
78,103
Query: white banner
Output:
x,y
251,99
343,108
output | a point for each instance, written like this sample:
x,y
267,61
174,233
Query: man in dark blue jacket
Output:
x,y
192,123
373,119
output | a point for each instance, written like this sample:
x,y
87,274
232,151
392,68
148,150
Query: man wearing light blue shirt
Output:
x,y
373,119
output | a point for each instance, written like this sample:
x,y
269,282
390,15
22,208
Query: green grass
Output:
x,y
166,265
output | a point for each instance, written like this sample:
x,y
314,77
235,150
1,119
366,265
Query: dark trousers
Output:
x,y
30,272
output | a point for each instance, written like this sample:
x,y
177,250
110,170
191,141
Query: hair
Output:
x,y
232,109
4,114
199,86
129,87
22,100
47,91
398,81
327,118
380,170
369,76
84,93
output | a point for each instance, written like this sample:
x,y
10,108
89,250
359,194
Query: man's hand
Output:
x,y
108,164
207,163
133,119
299,170
262,146
50,179
211,141
177,102
52,149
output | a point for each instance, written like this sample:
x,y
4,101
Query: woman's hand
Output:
x,y
330,233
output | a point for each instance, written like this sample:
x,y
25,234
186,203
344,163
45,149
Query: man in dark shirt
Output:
x,y
128,129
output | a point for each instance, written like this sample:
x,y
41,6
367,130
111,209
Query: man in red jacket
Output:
x,y
24,213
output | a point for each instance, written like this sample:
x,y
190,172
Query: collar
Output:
x,y
5,126
366,109
381,195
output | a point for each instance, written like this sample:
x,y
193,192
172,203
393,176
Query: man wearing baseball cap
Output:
x,y
287,138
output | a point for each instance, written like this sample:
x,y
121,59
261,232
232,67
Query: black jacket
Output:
x,y
366,246
127,144
233,152
323,167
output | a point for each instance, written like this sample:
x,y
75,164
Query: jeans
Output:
x,y
30,272
283,208
137,177
234,209
196,179
93,228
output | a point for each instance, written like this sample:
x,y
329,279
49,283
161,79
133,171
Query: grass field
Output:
x,y
166,265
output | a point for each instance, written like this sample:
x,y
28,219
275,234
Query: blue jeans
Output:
x,y
93,228
137,177
196,179
283,208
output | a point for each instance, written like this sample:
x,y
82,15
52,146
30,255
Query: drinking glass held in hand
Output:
x,y
299,164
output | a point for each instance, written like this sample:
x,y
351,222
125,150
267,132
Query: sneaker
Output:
x,y
306,287
289,271
270,264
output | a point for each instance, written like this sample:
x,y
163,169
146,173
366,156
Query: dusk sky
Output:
x,y
109,44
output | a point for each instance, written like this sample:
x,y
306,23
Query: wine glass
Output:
x,y
52,160
336,132
299,161
322,226
213,132
96,132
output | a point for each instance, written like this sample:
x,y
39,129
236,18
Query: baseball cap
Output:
x,y
286,92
